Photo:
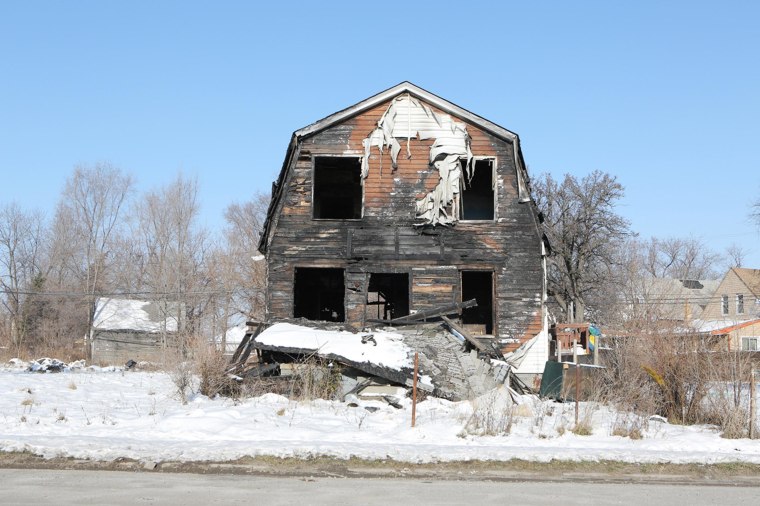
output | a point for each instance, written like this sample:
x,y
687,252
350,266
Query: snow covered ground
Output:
x,y
108,413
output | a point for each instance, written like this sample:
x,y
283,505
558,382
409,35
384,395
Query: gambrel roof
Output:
x,y
403,88
416,91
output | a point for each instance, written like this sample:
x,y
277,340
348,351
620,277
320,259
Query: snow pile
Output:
x,y
109,414
126,314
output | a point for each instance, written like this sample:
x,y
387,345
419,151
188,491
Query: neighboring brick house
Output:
x,y
405,202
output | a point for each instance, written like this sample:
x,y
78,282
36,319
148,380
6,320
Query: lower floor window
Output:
x,y
749,343
478,285
319,293
388,295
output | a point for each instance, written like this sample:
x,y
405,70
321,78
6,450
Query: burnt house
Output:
x,y
405,202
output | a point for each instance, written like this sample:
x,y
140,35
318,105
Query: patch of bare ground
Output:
x,y
738,474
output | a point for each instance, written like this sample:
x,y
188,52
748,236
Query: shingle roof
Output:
x,y
751,278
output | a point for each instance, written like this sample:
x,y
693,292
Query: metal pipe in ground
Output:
x,y
414,388
752,403
577,391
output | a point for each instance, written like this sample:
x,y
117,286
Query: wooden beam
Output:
x,y
455,307
459,330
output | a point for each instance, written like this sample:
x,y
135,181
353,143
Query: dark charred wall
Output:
x,y
386,240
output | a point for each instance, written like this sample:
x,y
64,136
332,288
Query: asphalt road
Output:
x,y
42,486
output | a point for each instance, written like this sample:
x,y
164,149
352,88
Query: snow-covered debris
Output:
x,y
387,350
53,365
445,367
378,353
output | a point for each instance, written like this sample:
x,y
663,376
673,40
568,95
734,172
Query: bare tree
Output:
x,y
244,225
174,248
680,258
582,227
20,252
735,255
236,272
88,216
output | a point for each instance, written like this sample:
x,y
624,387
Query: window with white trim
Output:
x,y
739,303
749,343
724,304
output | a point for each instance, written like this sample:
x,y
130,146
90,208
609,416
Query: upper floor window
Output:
x,y
739,303
477,195
338,190
724,304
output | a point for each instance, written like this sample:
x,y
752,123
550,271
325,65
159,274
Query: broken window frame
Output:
x,y
494,320
314,158
461,197
386,272
296,268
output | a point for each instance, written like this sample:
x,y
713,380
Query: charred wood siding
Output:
x,y
386,240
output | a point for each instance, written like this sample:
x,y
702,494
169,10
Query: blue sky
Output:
x,y
664,95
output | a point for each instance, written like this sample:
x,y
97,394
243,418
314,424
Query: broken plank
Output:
x,y
459,330
454,307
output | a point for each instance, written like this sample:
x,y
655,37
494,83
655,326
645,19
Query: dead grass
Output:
x,y
582,428
685,378
492,415
554,470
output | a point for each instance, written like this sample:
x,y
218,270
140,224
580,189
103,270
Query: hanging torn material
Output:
x,y
408,118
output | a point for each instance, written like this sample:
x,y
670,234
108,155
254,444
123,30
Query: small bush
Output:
x,y
582,429
681,376
181,373
629,425
214,380
492,415
315,379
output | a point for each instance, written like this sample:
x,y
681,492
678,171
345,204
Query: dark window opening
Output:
x,y
478,285
337,188
388,296
318,294
477,194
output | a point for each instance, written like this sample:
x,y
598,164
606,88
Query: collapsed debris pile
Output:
x,y
451,363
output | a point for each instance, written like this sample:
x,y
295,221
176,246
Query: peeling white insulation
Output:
x,y
408,118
